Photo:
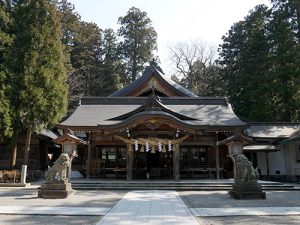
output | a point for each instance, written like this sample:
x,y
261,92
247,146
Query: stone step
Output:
x,y
172,187
222,184
188,186
168,183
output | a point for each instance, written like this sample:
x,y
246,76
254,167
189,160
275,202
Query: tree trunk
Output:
x,y
13,147
13,156
27,146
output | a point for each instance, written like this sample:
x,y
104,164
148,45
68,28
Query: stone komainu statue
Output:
x,y
244,169
58,172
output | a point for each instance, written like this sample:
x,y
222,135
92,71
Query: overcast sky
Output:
x,y
173,20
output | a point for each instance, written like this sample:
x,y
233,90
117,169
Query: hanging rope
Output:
x,y
152,141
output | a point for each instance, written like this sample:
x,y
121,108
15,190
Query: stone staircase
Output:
x,y
196,185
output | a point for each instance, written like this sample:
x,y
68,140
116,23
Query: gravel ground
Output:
x,y
28,197
48,220
216,199
250,220
221,199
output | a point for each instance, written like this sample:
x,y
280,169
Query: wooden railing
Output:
x,y
97,168
8,176
203,170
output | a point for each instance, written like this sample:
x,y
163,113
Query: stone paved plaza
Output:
x,y
146,207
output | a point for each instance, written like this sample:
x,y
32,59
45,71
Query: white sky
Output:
x,y
173,20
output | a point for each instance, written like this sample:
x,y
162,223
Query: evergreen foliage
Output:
x,y
70,25
113,68
5,42
38,77
94,66
85,61
260,60
139,40
98,63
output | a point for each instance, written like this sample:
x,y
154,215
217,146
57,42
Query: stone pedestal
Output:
x,y
247,190
55,190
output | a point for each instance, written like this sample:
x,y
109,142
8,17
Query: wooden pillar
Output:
x,y
129,162
176,174
268,166
217,162
89,155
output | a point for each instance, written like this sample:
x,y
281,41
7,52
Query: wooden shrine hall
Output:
x,y
156,129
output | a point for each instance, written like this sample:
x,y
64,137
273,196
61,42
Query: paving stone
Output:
x,y
70,211
135,213
246,211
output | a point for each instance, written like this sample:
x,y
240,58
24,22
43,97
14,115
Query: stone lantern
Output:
x,y
58,176
245,176
235,145
69,144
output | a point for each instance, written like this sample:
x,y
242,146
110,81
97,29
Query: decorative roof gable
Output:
x,y
153,103
153,78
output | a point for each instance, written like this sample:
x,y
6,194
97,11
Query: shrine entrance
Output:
x,y
152,157
157,164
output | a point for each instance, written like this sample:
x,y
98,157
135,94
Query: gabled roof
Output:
x,y
201,112
68,137
152,72
235,138
48,133
153,104
294,138
272,130
263,148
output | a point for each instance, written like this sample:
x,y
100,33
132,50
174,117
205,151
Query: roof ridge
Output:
x,y
164,100
145,97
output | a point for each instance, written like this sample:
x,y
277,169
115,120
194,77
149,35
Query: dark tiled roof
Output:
x,y
272,130
263,148
181,91
204,111
152,104
236,138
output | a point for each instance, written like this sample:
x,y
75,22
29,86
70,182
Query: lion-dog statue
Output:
x,y
244,169
58,172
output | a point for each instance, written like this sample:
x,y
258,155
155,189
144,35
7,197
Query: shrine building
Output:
x,y
156,126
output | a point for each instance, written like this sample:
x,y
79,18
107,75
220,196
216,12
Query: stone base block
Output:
x,y
247,190
247,195
55,190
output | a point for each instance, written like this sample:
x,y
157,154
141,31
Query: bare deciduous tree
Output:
x,y
195,67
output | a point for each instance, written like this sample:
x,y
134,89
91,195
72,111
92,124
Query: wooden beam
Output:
x,y
152,141
217,161
217,157
89,155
